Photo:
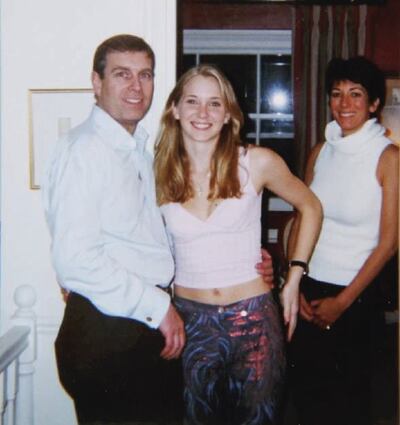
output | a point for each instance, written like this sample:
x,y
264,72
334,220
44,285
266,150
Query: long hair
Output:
x,y
171,164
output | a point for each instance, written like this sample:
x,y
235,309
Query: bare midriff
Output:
x,y
225,295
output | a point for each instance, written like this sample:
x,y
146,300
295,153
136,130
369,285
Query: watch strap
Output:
x,y
299,263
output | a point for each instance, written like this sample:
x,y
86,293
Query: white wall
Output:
x,y
50,44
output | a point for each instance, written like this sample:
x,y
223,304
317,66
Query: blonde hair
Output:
x,y
171,163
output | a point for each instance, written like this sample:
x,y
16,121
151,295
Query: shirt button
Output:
x,y
149,319
220,310
243,313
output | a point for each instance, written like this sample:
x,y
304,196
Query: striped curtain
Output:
x,y
321,33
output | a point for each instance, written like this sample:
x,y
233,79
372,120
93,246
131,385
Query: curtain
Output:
x,y
320,34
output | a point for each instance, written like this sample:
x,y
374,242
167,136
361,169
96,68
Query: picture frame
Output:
x,y
52,113
391,112
393,90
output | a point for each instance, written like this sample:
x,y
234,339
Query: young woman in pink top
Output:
x,y
209,188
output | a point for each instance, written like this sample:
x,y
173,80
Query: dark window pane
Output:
x,y
188,61
241,71
284,147
276,126
276,84
249,132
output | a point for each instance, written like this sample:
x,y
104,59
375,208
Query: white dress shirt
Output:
x,y
108,239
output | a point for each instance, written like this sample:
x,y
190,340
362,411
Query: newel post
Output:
x,y
25,298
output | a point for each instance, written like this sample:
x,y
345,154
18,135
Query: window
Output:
x,y
258,64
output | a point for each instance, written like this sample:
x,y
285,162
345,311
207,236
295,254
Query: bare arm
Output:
x,y
308,177
268,170
305,309
329,310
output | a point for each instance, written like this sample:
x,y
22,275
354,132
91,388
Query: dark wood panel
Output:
x,y
195,15
383,21
385,35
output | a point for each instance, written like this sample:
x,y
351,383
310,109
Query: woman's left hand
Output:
x,y
290,302
326,311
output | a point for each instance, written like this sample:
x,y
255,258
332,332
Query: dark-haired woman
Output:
x,y
355,175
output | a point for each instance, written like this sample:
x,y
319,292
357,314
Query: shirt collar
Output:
x,y
116,135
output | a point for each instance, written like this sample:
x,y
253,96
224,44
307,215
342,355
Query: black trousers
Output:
x,y
112,369
330,371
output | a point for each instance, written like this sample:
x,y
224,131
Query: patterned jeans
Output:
x,y
233,362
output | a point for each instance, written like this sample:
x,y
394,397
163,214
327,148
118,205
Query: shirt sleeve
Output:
x,y
73,198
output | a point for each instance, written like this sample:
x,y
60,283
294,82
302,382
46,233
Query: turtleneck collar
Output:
x,y
355,142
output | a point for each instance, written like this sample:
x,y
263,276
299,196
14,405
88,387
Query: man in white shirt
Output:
x,y
120,337
111,253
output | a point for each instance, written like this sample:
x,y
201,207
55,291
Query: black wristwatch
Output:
x,y
299,263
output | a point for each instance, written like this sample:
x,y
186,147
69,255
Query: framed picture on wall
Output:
x,y
391,112
52,113
393,90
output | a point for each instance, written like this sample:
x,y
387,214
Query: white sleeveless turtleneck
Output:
x,y
345,182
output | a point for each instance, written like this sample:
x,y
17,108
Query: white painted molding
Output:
x,y
25,299
48,325
160,33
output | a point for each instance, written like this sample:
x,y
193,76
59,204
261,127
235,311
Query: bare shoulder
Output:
x,y
389,157
266,167
390,153
261,157
388,164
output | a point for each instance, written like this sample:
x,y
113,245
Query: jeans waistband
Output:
x,y
247,304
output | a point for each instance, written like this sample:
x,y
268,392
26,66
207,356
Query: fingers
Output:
x,y
265,254
290,311
265,268
321,323
306,312
291,321
174,344
291,327
315,303
305,315
267,275
174,333
321,320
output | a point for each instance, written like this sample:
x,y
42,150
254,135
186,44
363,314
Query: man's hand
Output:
x,y
265,268
174,333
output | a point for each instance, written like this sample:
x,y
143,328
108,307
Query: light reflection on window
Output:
x,y
279,100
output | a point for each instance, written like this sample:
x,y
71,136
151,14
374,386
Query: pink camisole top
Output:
x,y
223,249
